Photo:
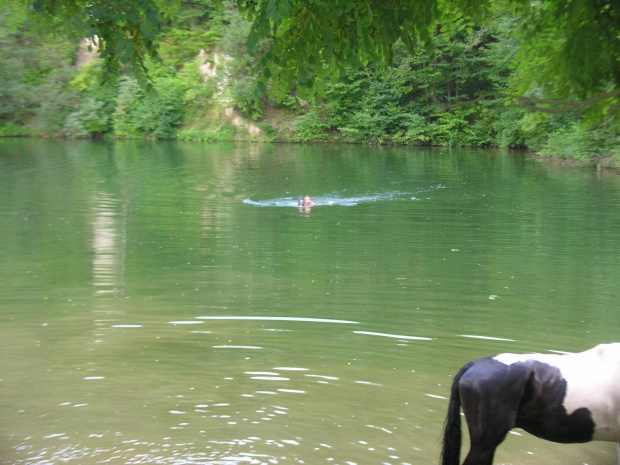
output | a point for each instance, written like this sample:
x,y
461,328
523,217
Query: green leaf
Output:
x,y
270,9
252,41
329,44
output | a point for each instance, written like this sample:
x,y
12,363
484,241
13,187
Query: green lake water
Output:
x,y
167,303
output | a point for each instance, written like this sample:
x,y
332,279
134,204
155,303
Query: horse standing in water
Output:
x,y
562,398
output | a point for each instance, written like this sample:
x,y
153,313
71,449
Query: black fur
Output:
x,y
451,450
541,412
496,397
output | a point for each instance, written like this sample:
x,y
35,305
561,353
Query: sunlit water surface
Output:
x,y
169,303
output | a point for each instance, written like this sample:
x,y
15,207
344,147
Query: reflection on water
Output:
x,y
109,231
228,334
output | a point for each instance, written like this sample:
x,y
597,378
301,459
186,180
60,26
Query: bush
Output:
x,y
169,107
416,130
127,102
573,143
158,113
309,127
270,134
8,129
225,133
193,134
91,118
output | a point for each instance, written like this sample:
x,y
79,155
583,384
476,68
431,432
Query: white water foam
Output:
x,y
346,201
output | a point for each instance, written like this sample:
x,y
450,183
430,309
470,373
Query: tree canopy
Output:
x,y
569,49
123,31
314,40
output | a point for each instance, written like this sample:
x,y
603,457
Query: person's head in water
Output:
x,y
308,201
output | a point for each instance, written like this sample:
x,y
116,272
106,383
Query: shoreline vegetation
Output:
x,y
204,86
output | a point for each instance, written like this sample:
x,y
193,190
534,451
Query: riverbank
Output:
x,y
204,88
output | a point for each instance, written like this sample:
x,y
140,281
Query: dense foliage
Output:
x,y
570,48
452,91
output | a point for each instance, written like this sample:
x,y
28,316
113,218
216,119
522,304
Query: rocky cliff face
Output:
x,y
213,67
83,55
216,67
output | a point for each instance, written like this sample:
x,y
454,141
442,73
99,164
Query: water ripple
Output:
x,y
395,336
261,373
331,378
238,347
279,318
489,338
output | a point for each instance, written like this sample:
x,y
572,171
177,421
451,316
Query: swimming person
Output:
x,y
307,202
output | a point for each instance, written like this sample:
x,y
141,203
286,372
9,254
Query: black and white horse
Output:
x,y
562,398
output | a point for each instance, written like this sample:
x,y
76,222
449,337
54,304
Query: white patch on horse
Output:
x,y
593,380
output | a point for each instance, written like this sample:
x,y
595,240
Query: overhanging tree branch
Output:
x,y
543,105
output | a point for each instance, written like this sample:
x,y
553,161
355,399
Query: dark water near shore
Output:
x,y
165,303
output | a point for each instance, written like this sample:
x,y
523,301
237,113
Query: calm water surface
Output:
x,y
165,304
